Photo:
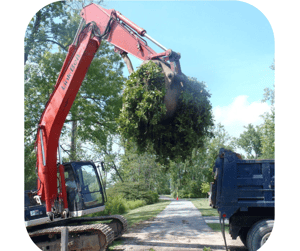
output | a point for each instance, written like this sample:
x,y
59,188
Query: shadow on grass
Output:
x,y
209,212
217,227
135,218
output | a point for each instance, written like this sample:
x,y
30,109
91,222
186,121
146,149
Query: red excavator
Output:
x,y
67,191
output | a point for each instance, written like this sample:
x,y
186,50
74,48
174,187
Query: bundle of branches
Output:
x,y
165,112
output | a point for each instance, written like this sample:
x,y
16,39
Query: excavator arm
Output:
x,y
97,24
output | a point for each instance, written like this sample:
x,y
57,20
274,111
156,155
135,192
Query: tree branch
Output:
x,y
29,44
114,167
55,42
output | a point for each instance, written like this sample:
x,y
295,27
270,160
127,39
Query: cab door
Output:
x,y
89,182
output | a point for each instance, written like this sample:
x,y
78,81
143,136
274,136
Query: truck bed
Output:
x,y
241,184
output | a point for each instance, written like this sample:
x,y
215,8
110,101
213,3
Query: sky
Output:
x,y
227,44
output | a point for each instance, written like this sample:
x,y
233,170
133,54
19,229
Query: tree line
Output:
x,y
91,130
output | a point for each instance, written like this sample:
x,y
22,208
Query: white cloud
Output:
x,y
239,114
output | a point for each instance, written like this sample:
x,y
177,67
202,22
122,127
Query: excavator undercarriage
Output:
x,y
85,233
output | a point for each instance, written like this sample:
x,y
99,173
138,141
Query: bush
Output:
x,y
184,193
205,187
118,205
134,191
115,205
174,194
192,190
132,204
164,190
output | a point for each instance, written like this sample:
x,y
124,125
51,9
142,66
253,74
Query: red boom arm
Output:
x,y
101,24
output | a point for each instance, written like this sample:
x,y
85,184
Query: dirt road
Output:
x,y
180,227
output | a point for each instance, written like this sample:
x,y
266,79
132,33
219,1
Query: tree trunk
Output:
x,y
73,140
30,42
115,167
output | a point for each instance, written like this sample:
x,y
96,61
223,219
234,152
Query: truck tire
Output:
x,y
259,234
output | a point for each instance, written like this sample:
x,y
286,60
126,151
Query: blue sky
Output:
x,y
227,44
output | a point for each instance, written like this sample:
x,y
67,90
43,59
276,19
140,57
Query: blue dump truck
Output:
x,y
243,192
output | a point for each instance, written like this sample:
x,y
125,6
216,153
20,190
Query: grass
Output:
x,y
115,243
217,227
202,205
144,213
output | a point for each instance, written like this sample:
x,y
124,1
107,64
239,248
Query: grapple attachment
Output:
x,y
174,83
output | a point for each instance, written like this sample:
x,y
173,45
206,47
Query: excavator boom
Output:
x,y
100,24
47,211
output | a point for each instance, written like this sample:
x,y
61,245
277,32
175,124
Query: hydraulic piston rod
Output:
x,y
138,29
155,42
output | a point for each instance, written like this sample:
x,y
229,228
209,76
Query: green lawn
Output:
x,y
203,206
217,227
145,213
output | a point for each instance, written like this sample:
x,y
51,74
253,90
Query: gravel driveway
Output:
x,y
177,228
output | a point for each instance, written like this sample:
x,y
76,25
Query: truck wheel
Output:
x,y
259,234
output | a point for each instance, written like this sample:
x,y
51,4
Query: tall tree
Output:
x,y
42,30
137,167
188,177
250,141
51,28
98,102
268,126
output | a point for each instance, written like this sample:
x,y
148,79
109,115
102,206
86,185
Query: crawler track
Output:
x,y
117,223
84,237
82,234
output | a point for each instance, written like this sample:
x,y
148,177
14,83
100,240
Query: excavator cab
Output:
x,y
84,188
85,194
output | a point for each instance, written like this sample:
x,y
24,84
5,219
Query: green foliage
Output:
x,y
143,106
53,27
268,127
30,162
187,191
133,191
144,169
221,139
205,187
165,189
123,197
40,35
132,204
115,205
142,118
250,141
268,136
187,177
